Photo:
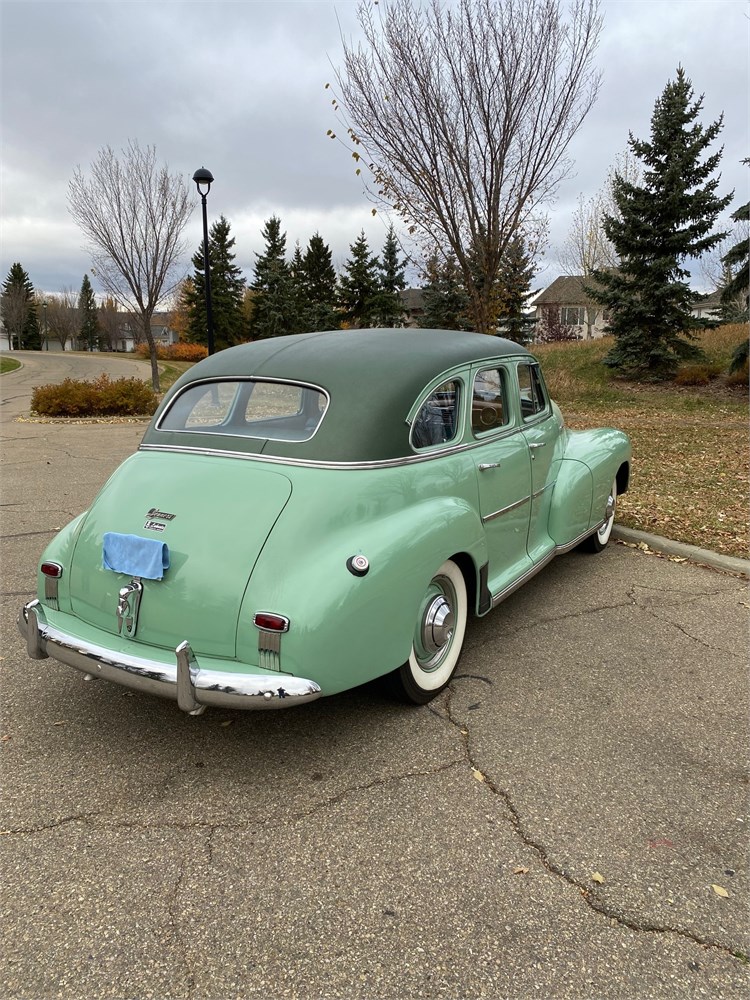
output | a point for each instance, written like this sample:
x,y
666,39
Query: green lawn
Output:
x,y
690,443
8,365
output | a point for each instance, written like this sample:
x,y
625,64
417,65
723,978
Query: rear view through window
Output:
x,y
276,411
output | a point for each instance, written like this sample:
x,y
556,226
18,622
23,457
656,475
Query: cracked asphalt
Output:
x,y
553,826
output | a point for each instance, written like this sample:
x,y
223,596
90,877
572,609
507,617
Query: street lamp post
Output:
x,y
205,178
44,310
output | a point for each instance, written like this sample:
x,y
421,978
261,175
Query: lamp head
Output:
x,y
203,176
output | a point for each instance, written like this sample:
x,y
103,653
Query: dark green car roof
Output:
x,y
373,378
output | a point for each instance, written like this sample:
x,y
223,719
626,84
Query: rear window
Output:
x,y
276,411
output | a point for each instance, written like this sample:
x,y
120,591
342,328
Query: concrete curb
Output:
x,y
729,564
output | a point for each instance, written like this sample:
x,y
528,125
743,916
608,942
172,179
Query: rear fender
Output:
x,y
347,629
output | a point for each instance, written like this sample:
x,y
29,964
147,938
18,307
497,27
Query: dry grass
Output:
x,y
691,451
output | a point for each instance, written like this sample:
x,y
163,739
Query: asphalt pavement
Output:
x,y
568,821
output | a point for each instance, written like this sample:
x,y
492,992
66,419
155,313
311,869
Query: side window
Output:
x,y
489,408
533,395
438,419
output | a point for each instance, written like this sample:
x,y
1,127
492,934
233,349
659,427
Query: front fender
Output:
x,y
607,453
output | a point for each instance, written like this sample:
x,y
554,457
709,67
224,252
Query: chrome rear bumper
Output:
x,y
192,687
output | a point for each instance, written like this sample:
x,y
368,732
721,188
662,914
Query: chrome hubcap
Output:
x,y
610,507
437,624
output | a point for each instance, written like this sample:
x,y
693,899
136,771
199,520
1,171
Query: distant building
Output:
x,y
707,306
412,300
565,303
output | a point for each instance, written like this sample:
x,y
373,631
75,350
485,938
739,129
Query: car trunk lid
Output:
x,y
214,513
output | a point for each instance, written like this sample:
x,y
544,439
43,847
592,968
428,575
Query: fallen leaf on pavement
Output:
x,y
478,774
598,878
520,870
720,891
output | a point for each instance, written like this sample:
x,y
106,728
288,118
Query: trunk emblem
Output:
x,y
162,515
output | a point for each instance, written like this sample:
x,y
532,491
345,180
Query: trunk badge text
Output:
x,y
128,605
153,525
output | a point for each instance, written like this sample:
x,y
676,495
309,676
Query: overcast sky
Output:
x,y
239,87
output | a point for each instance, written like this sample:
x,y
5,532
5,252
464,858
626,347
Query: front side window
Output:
x,y
277,411
438,419
533,393
489,406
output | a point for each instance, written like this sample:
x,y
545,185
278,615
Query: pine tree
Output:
x,y
18,306
517,270
319,283
359,285
88,314
662,221
273,298
227,288
734,295
444,299
389,306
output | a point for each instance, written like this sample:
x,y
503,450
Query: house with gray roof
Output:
x,y
565,303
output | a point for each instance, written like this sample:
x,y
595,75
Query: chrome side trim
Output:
x,y
184,681
542,490
558,550
505,510
306,463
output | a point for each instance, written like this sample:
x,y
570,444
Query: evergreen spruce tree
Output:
x,y
359,285
662,221
319,283
298,322
389,306
88,314
517,270
227,289
273,289
18,305
734,295
444,299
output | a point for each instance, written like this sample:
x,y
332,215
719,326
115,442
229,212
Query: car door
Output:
x,y
541,431
503,469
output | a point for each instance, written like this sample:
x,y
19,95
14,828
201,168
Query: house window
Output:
x,y
572,315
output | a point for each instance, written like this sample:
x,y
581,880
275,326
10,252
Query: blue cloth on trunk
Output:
x,y
136,556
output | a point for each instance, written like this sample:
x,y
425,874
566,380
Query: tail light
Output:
x,y
52,569
269,622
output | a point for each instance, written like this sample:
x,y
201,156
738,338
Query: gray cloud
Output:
x,y
239,87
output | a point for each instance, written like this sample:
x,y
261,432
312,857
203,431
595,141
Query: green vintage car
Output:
x,y
308,513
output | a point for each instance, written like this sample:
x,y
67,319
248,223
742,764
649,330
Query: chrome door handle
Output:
x,y
488,465
538,444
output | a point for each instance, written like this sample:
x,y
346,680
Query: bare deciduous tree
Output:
x,y
132,213
587,247
62,316
463,114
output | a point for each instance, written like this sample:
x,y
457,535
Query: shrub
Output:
x,y
103,397
175,352
696,374
739,376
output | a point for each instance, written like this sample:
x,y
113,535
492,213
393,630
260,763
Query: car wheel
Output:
x,y
597,541
438,638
